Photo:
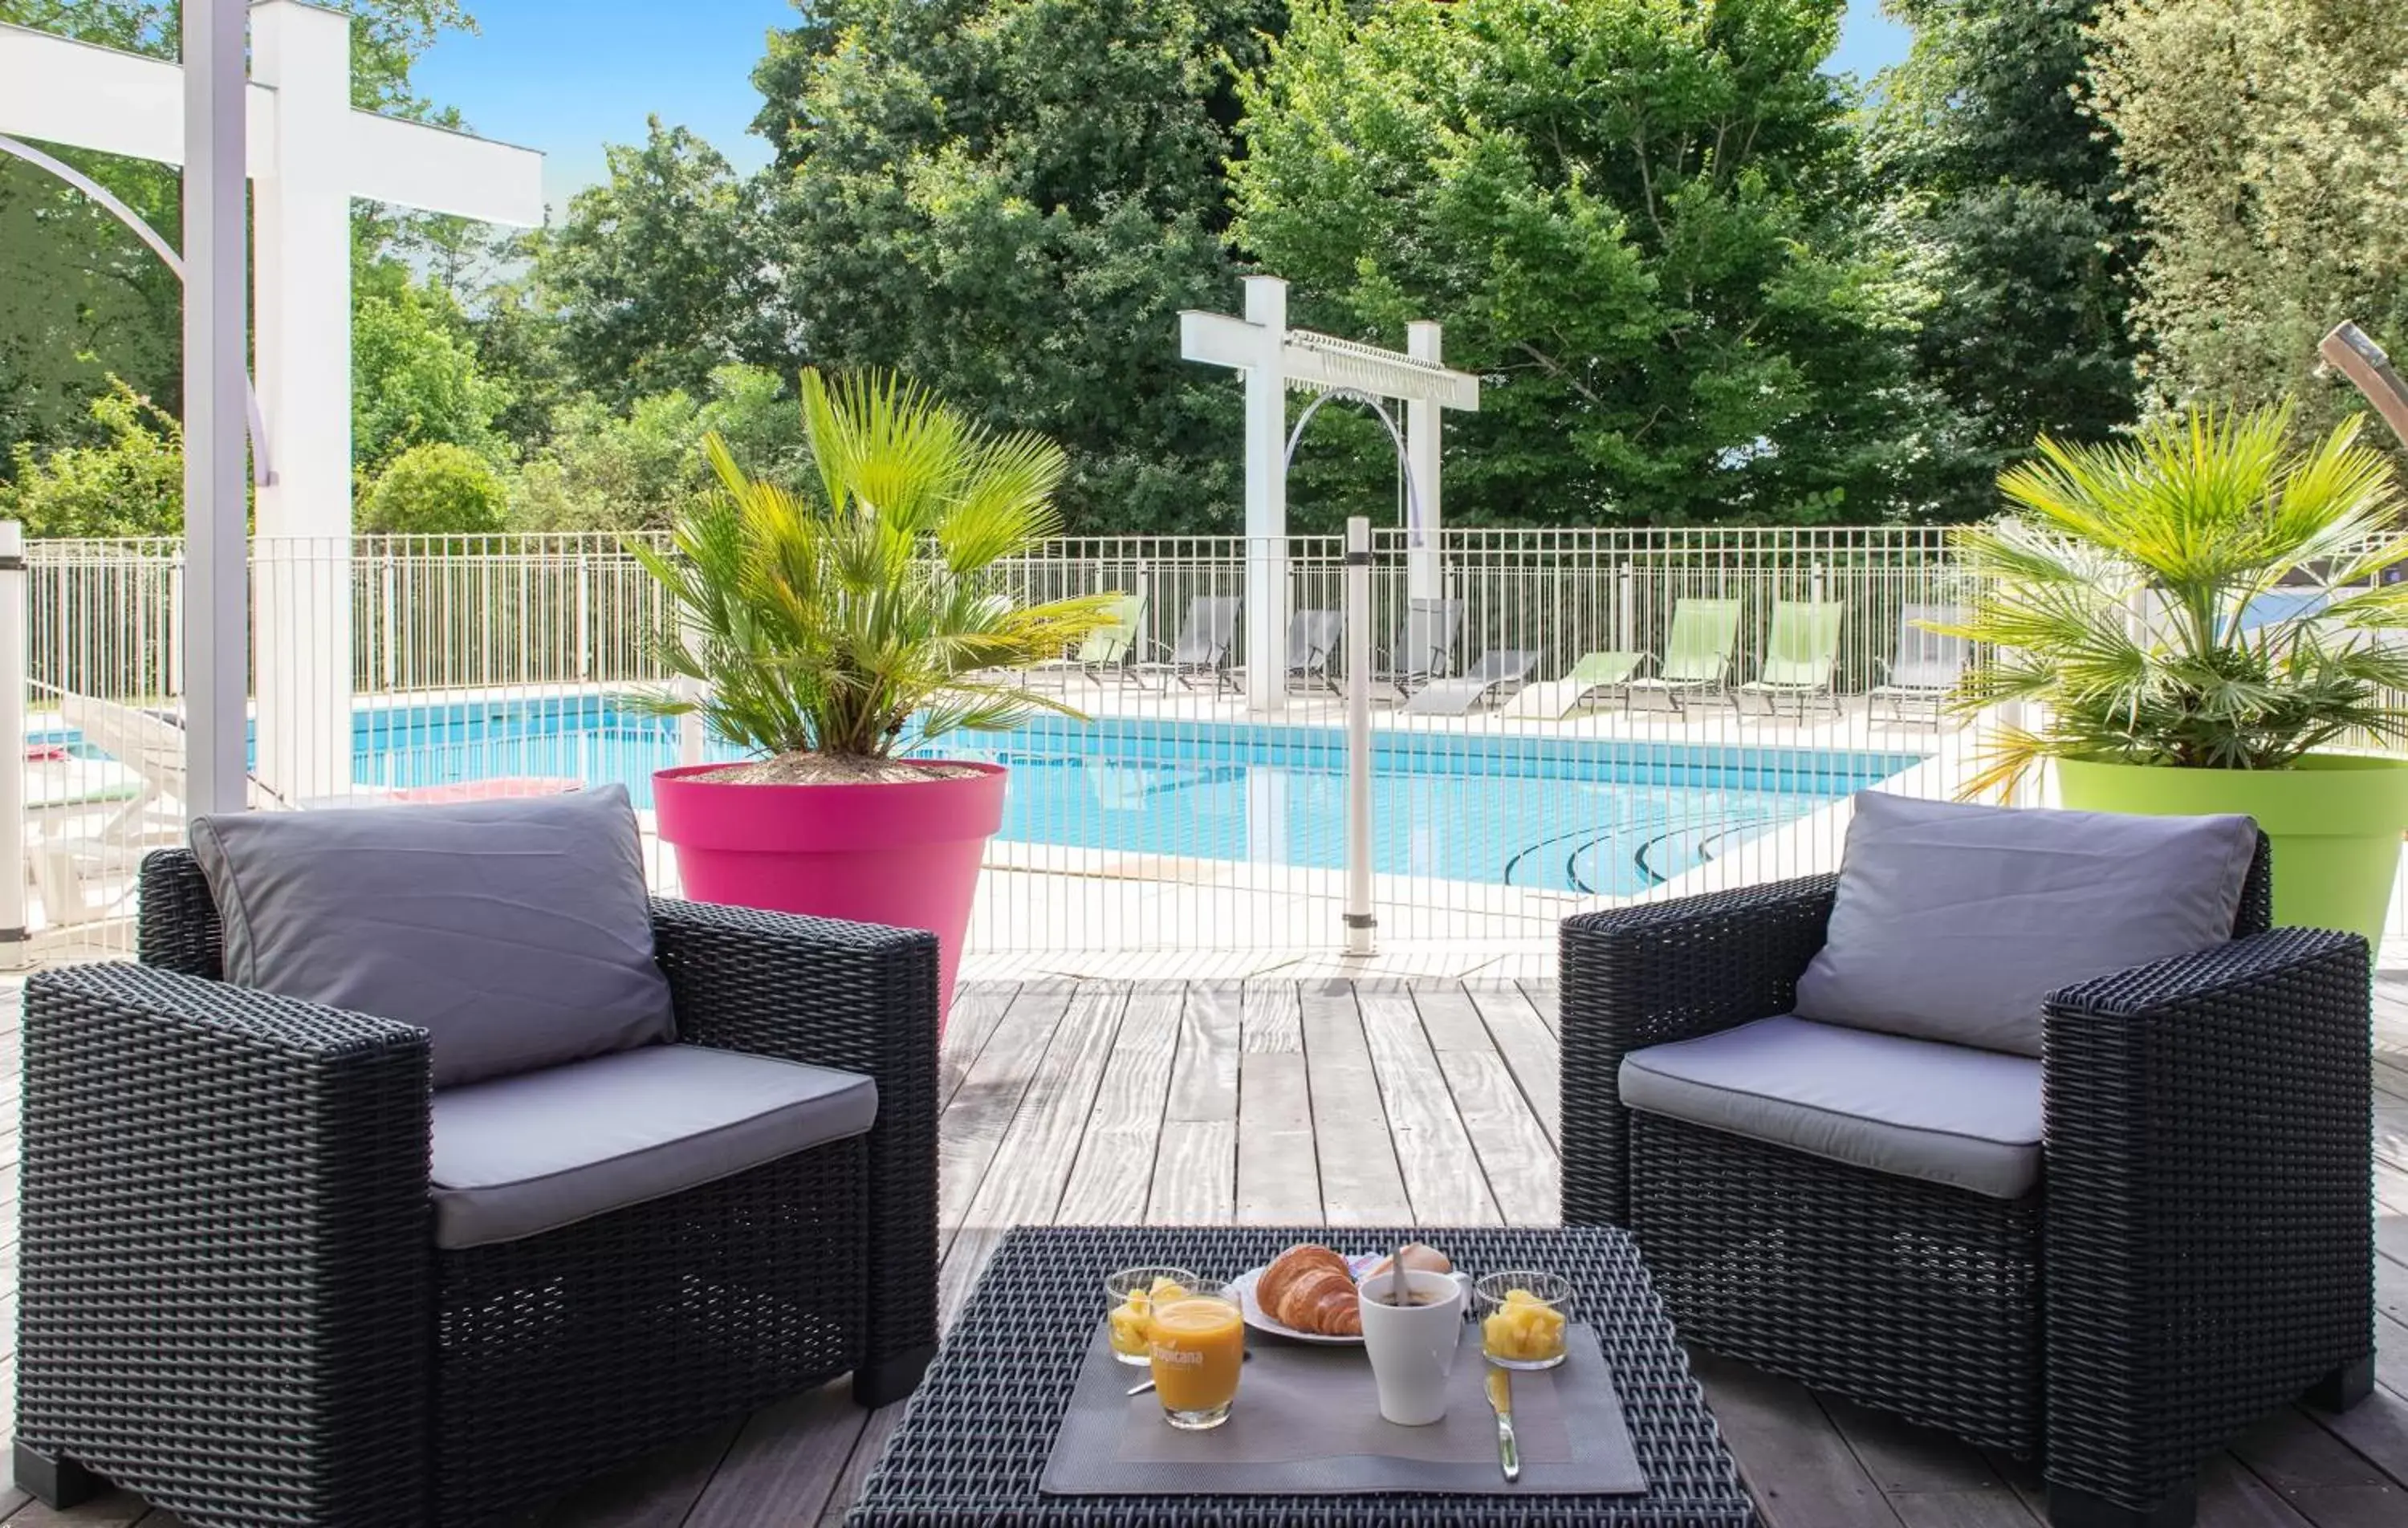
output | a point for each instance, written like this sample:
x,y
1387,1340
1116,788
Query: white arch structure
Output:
x,y
287,126
1276,359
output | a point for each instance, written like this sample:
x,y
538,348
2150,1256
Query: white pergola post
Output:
x,y
215,390
1423,576
1274,358
301,583
293,127
1266,497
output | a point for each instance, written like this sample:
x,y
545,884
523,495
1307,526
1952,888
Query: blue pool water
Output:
x,y
1555,813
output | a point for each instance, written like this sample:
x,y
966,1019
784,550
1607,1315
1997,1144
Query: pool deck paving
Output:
x,y
1325,1101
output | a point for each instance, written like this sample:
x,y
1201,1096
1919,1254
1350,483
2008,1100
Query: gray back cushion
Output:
x,y
1954,922
517,932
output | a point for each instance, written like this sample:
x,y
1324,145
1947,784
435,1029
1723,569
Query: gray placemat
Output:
x,y
1307,1423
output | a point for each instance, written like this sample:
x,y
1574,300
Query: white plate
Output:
x,y
1241,1289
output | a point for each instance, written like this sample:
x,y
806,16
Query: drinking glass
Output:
x,y
1524,1315
1198,1348
1131,1293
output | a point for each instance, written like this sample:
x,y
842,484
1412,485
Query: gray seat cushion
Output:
x,y
1943,1113
517,932
1954,922
517,1156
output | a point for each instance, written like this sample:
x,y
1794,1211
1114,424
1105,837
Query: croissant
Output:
x,y
1311,1289
1420,1257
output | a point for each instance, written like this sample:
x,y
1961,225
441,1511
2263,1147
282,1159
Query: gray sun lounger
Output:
x,y
1424,649
1928,665
1498,673
1205,641
1312,646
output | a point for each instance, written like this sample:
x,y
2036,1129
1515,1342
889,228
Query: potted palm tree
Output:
x,y
831,634
2202,614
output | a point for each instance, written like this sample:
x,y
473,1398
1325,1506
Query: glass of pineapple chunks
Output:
x,y
1131,1295
1522,1316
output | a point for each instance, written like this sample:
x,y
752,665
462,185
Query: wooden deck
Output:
x,y
1336,1102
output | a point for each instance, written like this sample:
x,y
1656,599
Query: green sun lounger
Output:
x,y
1801,658
1592,677
1109,649
1697,653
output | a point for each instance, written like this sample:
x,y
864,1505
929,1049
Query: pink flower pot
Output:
x,y
905,855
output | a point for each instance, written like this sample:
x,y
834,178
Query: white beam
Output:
x,y
60,91
1323,362
215,384
1266,497
1423,576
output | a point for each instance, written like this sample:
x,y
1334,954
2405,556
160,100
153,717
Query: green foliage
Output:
x,y
2266,139
658,273
2009,197
415,380
833,621
1639,221
81,299
130,482
2122,597
606,470
1012,200
438,489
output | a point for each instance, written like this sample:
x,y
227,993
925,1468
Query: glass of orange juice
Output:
x,y
1198,1346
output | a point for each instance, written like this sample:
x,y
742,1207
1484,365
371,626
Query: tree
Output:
x,y
2265,139
415,380
1640,221
657,274
2009,193
606,470
129,482
436,488
1010,201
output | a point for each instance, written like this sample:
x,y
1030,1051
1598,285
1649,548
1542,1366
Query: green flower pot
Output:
x,y
2336,821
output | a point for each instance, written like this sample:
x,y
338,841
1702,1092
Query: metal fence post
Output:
x,y
1361,924
13,946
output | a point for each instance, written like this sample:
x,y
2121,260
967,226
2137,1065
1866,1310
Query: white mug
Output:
x,y
1412,1348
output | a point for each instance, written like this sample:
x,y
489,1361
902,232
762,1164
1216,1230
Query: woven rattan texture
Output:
x,y
233,1303
2202,1207
1917,1299
224,1293
2209,1244
973,1446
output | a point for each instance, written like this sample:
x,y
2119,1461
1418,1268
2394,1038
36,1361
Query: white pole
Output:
x,y
12,731
216,619
1267,499
1361,923
1425,577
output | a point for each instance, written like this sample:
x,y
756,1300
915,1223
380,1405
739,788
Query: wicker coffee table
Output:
x,y
973,1443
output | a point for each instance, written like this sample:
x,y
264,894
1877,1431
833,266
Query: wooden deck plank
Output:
x,y
1204,1077
1530,1048
1279,1173
1523,1173
2319,1476
1112,1178
1450,1019
1273,1022
661,1486
1953,1480
1800,1470
978,1008
1441,1172
1542,998
784,1465
1360,1182
1033,1160
989,1097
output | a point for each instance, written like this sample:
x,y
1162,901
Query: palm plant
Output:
x,y
867,618
2135,596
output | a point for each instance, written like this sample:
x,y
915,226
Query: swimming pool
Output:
x,y
1562,814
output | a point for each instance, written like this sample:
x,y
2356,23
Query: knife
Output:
x,y
1500,1400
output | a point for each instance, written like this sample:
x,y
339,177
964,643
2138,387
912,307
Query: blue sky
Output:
x,y
569,75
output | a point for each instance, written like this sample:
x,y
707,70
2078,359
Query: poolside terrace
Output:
x,y
1338,1103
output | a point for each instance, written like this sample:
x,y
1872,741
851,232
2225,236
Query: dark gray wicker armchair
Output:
x,y
2198,1251
233,1303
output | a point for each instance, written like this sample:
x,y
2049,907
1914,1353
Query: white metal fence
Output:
x,y
1559,718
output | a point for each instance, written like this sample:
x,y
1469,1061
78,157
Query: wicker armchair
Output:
x,y
2199,1253
233,1303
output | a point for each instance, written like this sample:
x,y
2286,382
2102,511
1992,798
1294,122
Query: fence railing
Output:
x,y
1205,809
